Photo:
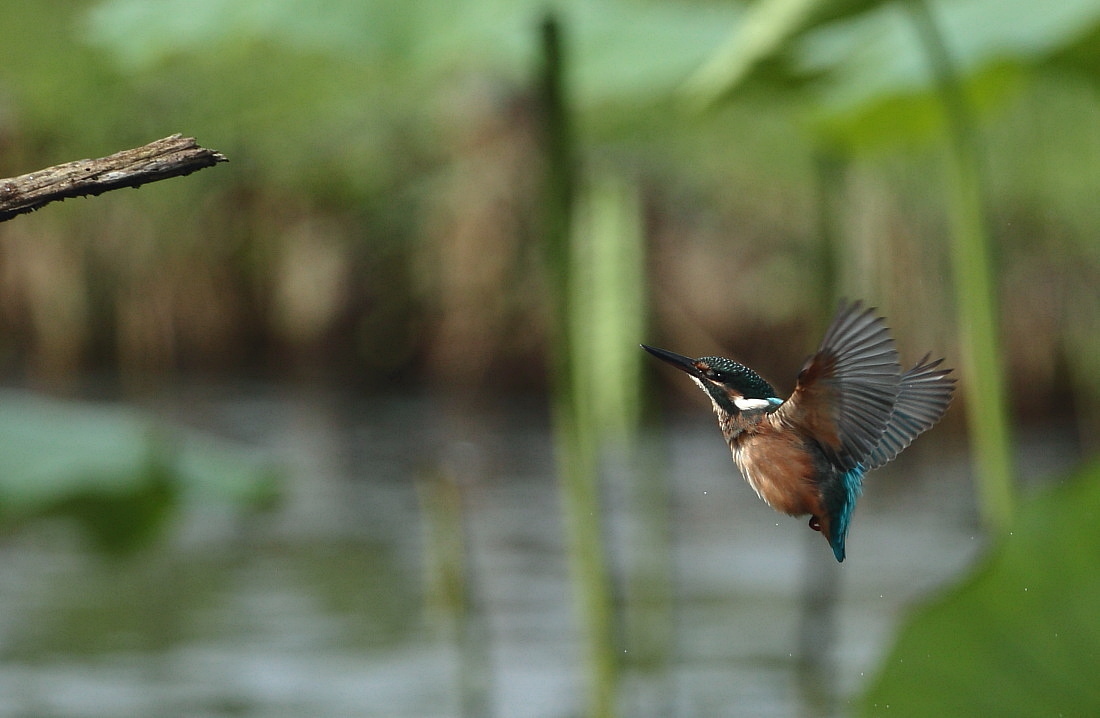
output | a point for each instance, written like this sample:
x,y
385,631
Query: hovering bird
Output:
x,y
852,410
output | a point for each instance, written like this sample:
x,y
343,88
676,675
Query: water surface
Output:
x,y
336,604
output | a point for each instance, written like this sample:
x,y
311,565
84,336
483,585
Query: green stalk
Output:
x,y
453,586
608,323
975,292
575,432
608,319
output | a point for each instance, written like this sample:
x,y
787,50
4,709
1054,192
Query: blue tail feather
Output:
x,y
841,506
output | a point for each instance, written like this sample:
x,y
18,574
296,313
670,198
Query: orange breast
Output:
x,y
780,468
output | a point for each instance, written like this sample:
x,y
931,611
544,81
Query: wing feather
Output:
x,y
846,392
923,396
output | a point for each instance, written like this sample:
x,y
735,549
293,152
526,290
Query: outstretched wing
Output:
x,y
846,391
923,396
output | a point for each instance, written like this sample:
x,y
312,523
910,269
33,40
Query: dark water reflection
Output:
x,y
325,608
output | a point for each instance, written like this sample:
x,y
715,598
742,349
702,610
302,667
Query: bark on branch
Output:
x,y
170,157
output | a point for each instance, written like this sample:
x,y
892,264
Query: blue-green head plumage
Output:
x,y
738,377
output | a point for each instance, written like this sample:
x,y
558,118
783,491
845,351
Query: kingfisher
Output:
x,y
852,410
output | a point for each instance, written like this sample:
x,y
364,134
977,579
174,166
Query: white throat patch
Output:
x,y
751,404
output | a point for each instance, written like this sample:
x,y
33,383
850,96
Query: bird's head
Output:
x,y
732,387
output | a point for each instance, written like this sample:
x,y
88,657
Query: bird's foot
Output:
x,y
815,523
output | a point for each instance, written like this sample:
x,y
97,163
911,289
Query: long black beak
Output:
x,y
681,362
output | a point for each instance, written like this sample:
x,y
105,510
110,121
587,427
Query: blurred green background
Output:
x,y
376,221
298,401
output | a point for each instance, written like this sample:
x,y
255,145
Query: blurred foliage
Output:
x,y
577,437
864,70
1019,636
114,472
375,219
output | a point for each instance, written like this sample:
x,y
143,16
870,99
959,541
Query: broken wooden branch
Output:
x,y
170,157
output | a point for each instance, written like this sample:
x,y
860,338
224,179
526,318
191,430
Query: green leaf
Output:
x,y
624,48
114,471
1021,636
864,71
764,32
